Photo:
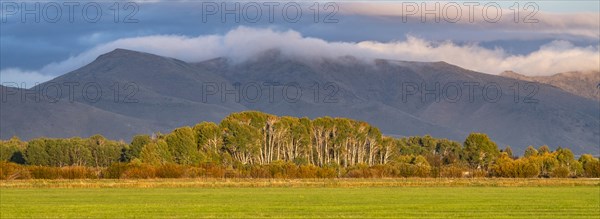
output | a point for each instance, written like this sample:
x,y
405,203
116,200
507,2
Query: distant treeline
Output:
x,y
259,145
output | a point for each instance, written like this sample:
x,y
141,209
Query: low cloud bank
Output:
x,y
243,43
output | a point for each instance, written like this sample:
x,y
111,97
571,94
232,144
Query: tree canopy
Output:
x,y
246,139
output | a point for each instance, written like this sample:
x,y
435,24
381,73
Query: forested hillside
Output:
x,y
256,144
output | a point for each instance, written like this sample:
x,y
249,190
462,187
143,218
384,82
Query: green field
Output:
x,y
581,201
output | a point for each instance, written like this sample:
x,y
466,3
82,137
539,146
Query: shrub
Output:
x,y
326,172
358,171
260,172
114,171
307,171
479,173
170,170
389,171
521,168
283,170
231,173
560,172
139,171
216,171
43,172
421,171
412,170
194,172
592,169
77,172
526,169
364,171
10,171
453,171
377,171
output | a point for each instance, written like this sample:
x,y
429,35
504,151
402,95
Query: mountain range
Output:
x,y
124,92
582,83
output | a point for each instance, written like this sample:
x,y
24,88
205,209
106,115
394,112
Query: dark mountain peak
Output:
x,y
268,55
272,59
511,74
418,64
125,53
216,63
128,60
120,50
442,64
276,55
145,69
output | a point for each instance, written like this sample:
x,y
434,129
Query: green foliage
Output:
x,y
137,144
450,151
209,142
36,153
505,166
480,150
564,156
544,149
12,150
255,144
95,151
183,146
241,139
547,163
530,151
104,152
508,151
590,165
156,153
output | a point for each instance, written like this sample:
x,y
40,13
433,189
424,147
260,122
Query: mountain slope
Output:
x,y
150,87
171,93
30,117
585,84
373,92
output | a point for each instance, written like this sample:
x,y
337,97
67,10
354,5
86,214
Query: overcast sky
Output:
x,y
549,37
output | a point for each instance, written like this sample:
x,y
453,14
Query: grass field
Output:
x,y
300,198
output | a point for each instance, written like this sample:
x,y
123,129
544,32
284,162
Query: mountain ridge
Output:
x,y
172,93
581,83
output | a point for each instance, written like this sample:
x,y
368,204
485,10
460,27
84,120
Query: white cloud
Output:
x,y
579,24
14,77
555,57
181,47
243,43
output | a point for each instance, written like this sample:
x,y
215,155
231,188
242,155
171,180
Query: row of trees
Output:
x,y
95,151
258,139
